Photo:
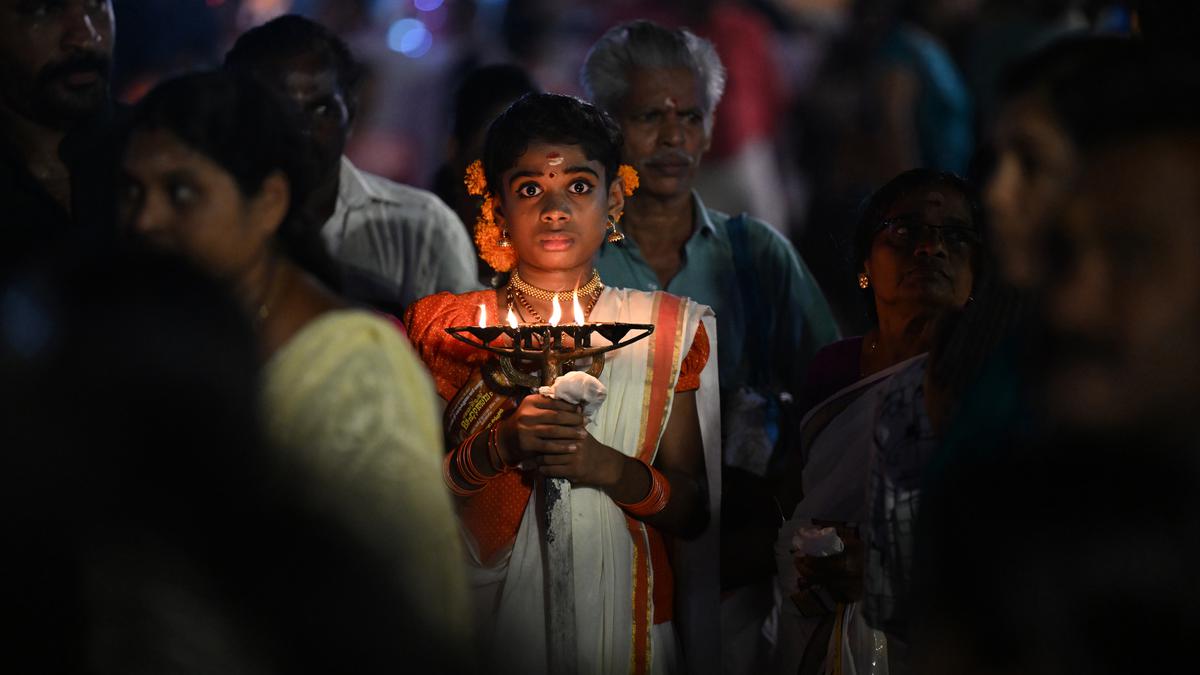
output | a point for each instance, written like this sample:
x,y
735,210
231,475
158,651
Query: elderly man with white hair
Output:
x,y
663,85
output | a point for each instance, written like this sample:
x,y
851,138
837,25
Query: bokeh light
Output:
x,y
410,37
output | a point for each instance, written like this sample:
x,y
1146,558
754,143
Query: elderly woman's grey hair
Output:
x,y
641,45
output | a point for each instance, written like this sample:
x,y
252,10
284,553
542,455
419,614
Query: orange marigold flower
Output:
x,y
629,176
487,210
487,239
475,180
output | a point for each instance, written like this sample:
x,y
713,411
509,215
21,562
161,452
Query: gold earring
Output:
x,y
614,235
504,242
864,281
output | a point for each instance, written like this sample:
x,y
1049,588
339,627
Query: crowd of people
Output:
x,y
240,436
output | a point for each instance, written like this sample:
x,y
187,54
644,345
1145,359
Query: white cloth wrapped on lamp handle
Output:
x,y
577,388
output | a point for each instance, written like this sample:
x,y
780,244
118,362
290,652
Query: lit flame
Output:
x,y
482,316
512,318
575,308
556,314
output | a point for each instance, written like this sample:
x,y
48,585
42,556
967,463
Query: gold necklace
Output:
x,y
527,289
525,305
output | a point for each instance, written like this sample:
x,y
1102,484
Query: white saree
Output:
x,y
612,574
837,437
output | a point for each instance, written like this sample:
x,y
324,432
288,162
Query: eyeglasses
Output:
x,y
904,233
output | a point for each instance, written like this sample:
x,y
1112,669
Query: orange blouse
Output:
x,y
693,363
449,361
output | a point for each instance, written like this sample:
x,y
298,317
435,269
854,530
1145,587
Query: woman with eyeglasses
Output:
x,y
917,249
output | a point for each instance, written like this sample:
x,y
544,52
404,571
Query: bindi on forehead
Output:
x,y
554,159
670,103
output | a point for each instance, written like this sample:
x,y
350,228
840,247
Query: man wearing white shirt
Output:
x,y
394,243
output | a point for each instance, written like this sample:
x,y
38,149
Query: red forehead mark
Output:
x,y
554,159
669,102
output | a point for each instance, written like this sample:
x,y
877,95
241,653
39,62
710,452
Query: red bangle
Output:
x,y
466,462
494,455
453,484
655,500
461,457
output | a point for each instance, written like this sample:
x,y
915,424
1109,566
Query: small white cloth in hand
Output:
x,y
817,542
577,388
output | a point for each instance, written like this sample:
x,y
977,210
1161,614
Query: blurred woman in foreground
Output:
x,y
214,170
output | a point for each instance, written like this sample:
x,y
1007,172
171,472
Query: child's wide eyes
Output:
x,y
578,187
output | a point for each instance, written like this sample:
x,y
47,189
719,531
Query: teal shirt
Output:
x,y
799,321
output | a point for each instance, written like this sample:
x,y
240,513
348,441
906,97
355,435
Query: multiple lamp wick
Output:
x,y
543,343
555,313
